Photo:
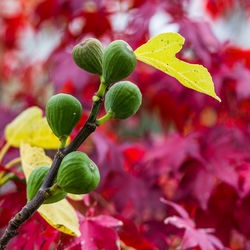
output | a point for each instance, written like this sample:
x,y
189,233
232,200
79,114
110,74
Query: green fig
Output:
x,y
123,100
35,181
119,61
88,55
78,174
63,112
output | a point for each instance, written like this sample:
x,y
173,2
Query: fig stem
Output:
x,y
104,118
63,141
102,88
30,208
55,189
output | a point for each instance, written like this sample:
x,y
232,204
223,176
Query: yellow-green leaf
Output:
x,y
61,215
160,52
31,128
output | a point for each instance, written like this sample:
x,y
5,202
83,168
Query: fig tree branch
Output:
x,y
31,207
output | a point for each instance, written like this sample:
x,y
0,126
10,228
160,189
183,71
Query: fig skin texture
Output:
x,y
63,112
35,181
119,61
78,174
123,100
88,55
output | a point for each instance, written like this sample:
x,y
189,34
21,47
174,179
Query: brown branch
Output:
x,y
30,208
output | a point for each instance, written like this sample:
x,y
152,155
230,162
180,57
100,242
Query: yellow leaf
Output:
x,y
76,197
61,215
32,157
160,52
31,128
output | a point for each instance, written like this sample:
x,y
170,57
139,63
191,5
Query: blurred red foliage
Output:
x,y
182,146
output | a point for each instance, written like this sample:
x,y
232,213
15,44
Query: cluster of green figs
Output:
x,y
78,174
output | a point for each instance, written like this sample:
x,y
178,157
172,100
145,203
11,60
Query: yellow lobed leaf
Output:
x,y
32,128
61,215
160,52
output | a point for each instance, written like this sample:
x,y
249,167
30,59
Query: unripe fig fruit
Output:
x,y
88,55
63,112
78,174
119,61
35,181
123,100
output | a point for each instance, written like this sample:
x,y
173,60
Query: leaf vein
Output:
x,y
155,51
171,68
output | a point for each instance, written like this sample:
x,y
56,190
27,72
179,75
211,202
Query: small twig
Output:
x,y
30,208
9,165
6,178
4,150
13,162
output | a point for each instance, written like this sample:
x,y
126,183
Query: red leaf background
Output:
x,y
177,174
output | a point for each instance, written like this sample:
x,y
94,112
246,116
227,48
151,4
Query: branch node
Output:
x,y
18,216
60,154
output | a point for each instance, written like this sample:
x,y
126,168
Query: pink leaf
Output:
x,y
178,208
203,186
192,237
107,221
96,233
175,149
